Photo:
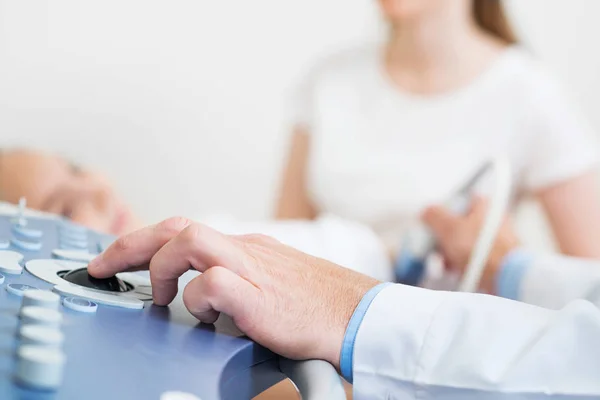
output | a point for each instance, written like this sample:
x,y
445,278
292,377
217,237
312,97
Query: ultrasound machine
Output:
x,y
65,335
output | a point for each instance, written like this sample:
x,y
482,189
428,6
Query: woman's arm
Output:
x,y
294,202
573,208
513,271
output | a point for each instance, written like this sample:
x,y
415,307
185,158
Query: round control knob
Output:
x,y
26,245
73,244
67,226
40,298
40,367
81,305
82,278
41,336
10,262
19,289
27,233
40,316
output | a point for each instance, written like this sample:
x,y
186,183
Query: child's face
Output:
x,y
51,184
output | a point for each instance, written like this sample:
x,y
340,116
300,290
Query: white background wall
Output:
x,y
182,102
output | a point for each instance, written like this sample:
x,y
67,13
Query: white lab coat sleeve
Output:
x,y
548,280
415,343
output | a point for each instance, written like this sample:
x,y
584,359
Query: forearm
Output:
x,y
412,339
294,201
573,212
296,206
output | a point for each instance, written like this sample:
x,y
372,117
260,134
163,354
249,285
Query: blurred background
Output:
x,y
184,104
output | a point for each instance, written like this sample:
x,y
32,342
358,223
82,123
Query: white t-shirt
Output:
x,y
380,155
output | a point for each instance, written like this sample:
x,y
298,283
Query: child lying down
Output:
x,y
54,185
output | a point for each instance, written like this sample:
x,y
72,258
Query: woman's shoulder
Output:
x,y
345,64
530,75
544,100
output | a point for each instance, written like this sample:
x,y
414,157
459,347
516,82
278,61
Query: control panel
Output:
x,y
66,335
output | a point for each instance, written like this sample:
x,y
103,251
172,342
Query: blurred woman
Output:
x,y
384,130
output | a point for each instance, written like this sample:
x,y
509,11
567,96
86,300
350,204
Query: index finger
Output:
x,y
136,249
198,247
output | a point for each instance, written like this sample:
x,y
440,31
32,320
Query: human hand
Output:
x,y
457,236
294,304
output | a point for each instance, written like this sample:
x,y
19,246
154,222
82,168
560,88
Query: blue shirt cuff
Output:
x,y
513,268
347,356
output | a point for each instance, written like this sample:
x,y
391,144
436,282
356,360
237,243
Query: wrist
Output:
x,y
343,361
512,272
347,300
502,248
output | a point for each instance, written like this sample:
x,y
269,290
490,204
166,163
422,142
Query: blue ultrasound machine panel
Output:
x,y
66,336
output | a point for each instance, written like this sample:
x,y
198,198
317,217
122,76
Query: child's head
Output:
x,y
52,184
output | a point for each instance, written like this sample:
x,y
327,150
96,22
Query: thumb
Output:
x,y
221,290
479,207
439,220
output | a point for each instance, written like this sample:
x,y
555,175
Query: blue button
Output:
x,y
18,288
10,262
27,233
4,245
81,305
21,221
79,242
1,279
26,246
72,235
73,244
67,226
